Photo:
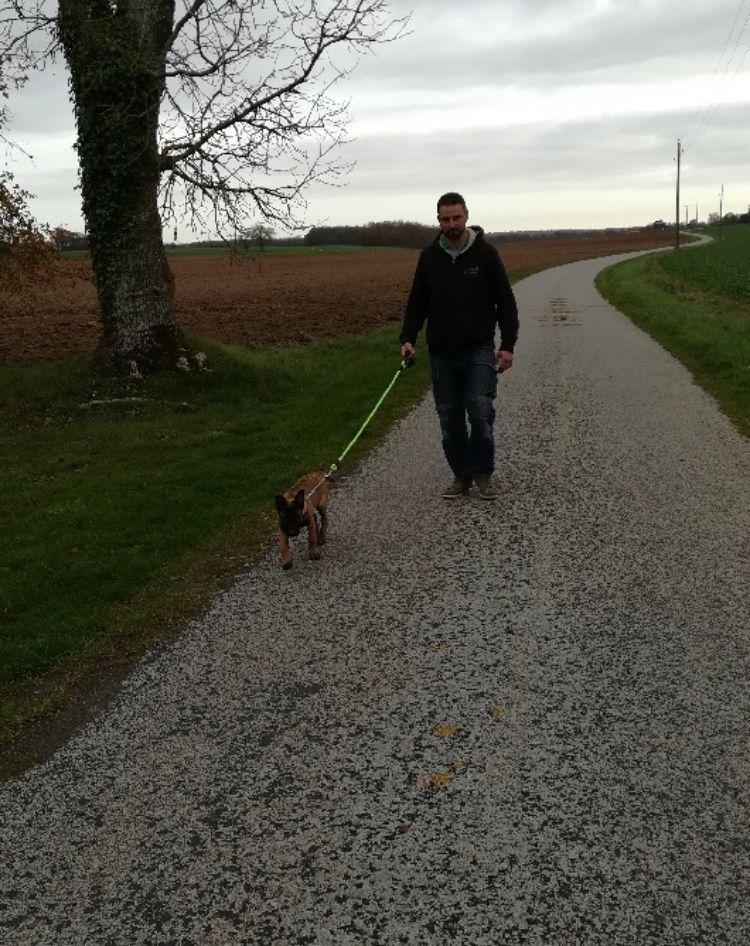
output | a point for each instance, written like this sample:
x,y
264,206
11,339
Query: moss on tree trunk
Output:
x,y
116,60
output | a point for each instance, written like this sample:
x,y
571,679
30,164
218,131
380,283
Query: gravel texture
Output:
x,y
471,723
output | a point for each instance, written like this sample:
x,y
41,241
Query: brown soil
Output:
x,y
269,299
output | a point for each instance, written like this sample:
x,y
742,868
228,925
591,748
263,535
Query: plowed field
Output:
x,y
268,298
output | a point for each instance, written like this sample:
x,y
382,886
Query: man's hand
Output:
x,y
503,360
408,353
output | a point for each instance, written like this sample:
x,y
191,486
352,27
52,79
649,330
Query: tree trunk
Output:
x,y
117,64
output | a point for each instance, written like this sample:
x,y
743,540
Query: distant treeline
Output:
x,y
413,235
402,233
385,233
417,235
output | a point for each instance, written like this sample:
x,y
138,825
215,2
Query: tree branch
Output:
x,y
183,22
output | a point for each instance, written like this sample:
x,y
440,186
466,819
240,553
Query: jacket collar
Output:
x,y
445,244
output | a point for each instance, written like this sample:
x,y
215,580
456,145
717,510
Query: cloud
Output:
x,y
502,42
610,171
42,106
564,108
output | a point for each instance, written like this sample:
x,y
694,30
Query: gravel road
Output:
x,y
470,723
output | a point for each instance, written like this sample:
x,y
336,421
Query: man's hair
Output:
x,y
452,197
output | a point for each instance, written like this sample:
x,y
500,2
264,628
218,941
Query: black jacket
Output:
x,y
462,299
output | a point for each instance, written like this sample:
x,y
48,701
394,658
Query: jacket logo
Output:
x,y
472,272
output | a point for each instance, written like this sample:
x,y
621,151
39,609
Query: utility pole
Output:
x,y
677,202
687,219
721,210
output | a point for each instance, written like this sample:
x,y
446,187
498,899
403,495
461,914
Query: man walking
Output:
x,y
462,290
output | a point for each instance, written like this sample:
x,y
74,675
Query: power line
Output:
x,y
713,106
716,105
716,67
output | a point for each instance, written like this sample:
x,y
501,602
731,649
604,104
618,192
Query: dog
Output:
x,y
298,509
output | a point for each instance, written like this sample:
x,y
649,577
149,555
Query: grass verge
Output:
x,y
125,512
684,301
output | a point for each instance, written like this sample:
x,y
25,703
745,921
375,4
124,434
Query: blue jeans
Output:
x,y
465,385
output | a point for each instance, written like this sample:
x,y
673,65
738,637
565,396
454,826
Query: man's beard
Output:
x,y
454,233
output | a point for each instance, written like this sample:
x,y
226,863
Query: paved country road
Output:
x,y
520,723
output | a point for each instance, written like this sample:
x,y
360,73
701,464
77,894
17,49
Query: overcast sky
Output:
x,y
543,113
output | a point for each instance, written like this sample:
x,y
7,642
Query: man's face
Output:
x,y
452,219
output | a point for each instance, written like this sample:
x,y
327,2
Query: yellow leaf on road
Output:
x,y
439,780
443,779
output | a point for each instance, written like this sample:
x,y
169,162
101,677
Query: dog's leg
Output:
x,y
323,510
312,538
286,552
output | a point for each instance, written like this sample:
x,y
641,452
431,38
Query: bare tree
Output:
x,y
217,109
259,234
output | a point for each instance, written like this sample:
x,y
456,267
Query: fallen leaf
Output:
x,y
439,780
443,779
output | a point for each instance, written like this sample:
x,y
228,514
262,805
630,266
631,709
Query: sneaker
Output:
x,y
487,487
456,489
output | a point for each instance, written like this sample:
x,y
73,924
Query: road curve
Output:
x,y
471,723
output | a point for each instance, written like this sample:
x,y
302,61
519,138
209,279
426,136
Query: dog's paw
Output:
x,y
314,554
287,564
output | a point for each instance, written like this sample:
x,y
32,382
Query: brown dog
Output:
x,y
297,509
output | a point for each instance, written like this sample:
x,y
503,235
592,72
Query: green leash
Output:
x,y
373,412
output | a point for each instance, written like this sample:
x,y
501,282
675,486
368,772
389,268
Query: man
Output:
x,y
462,290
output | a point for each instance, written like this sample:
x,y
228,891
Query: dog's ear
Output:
x,y
299,499
280,503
